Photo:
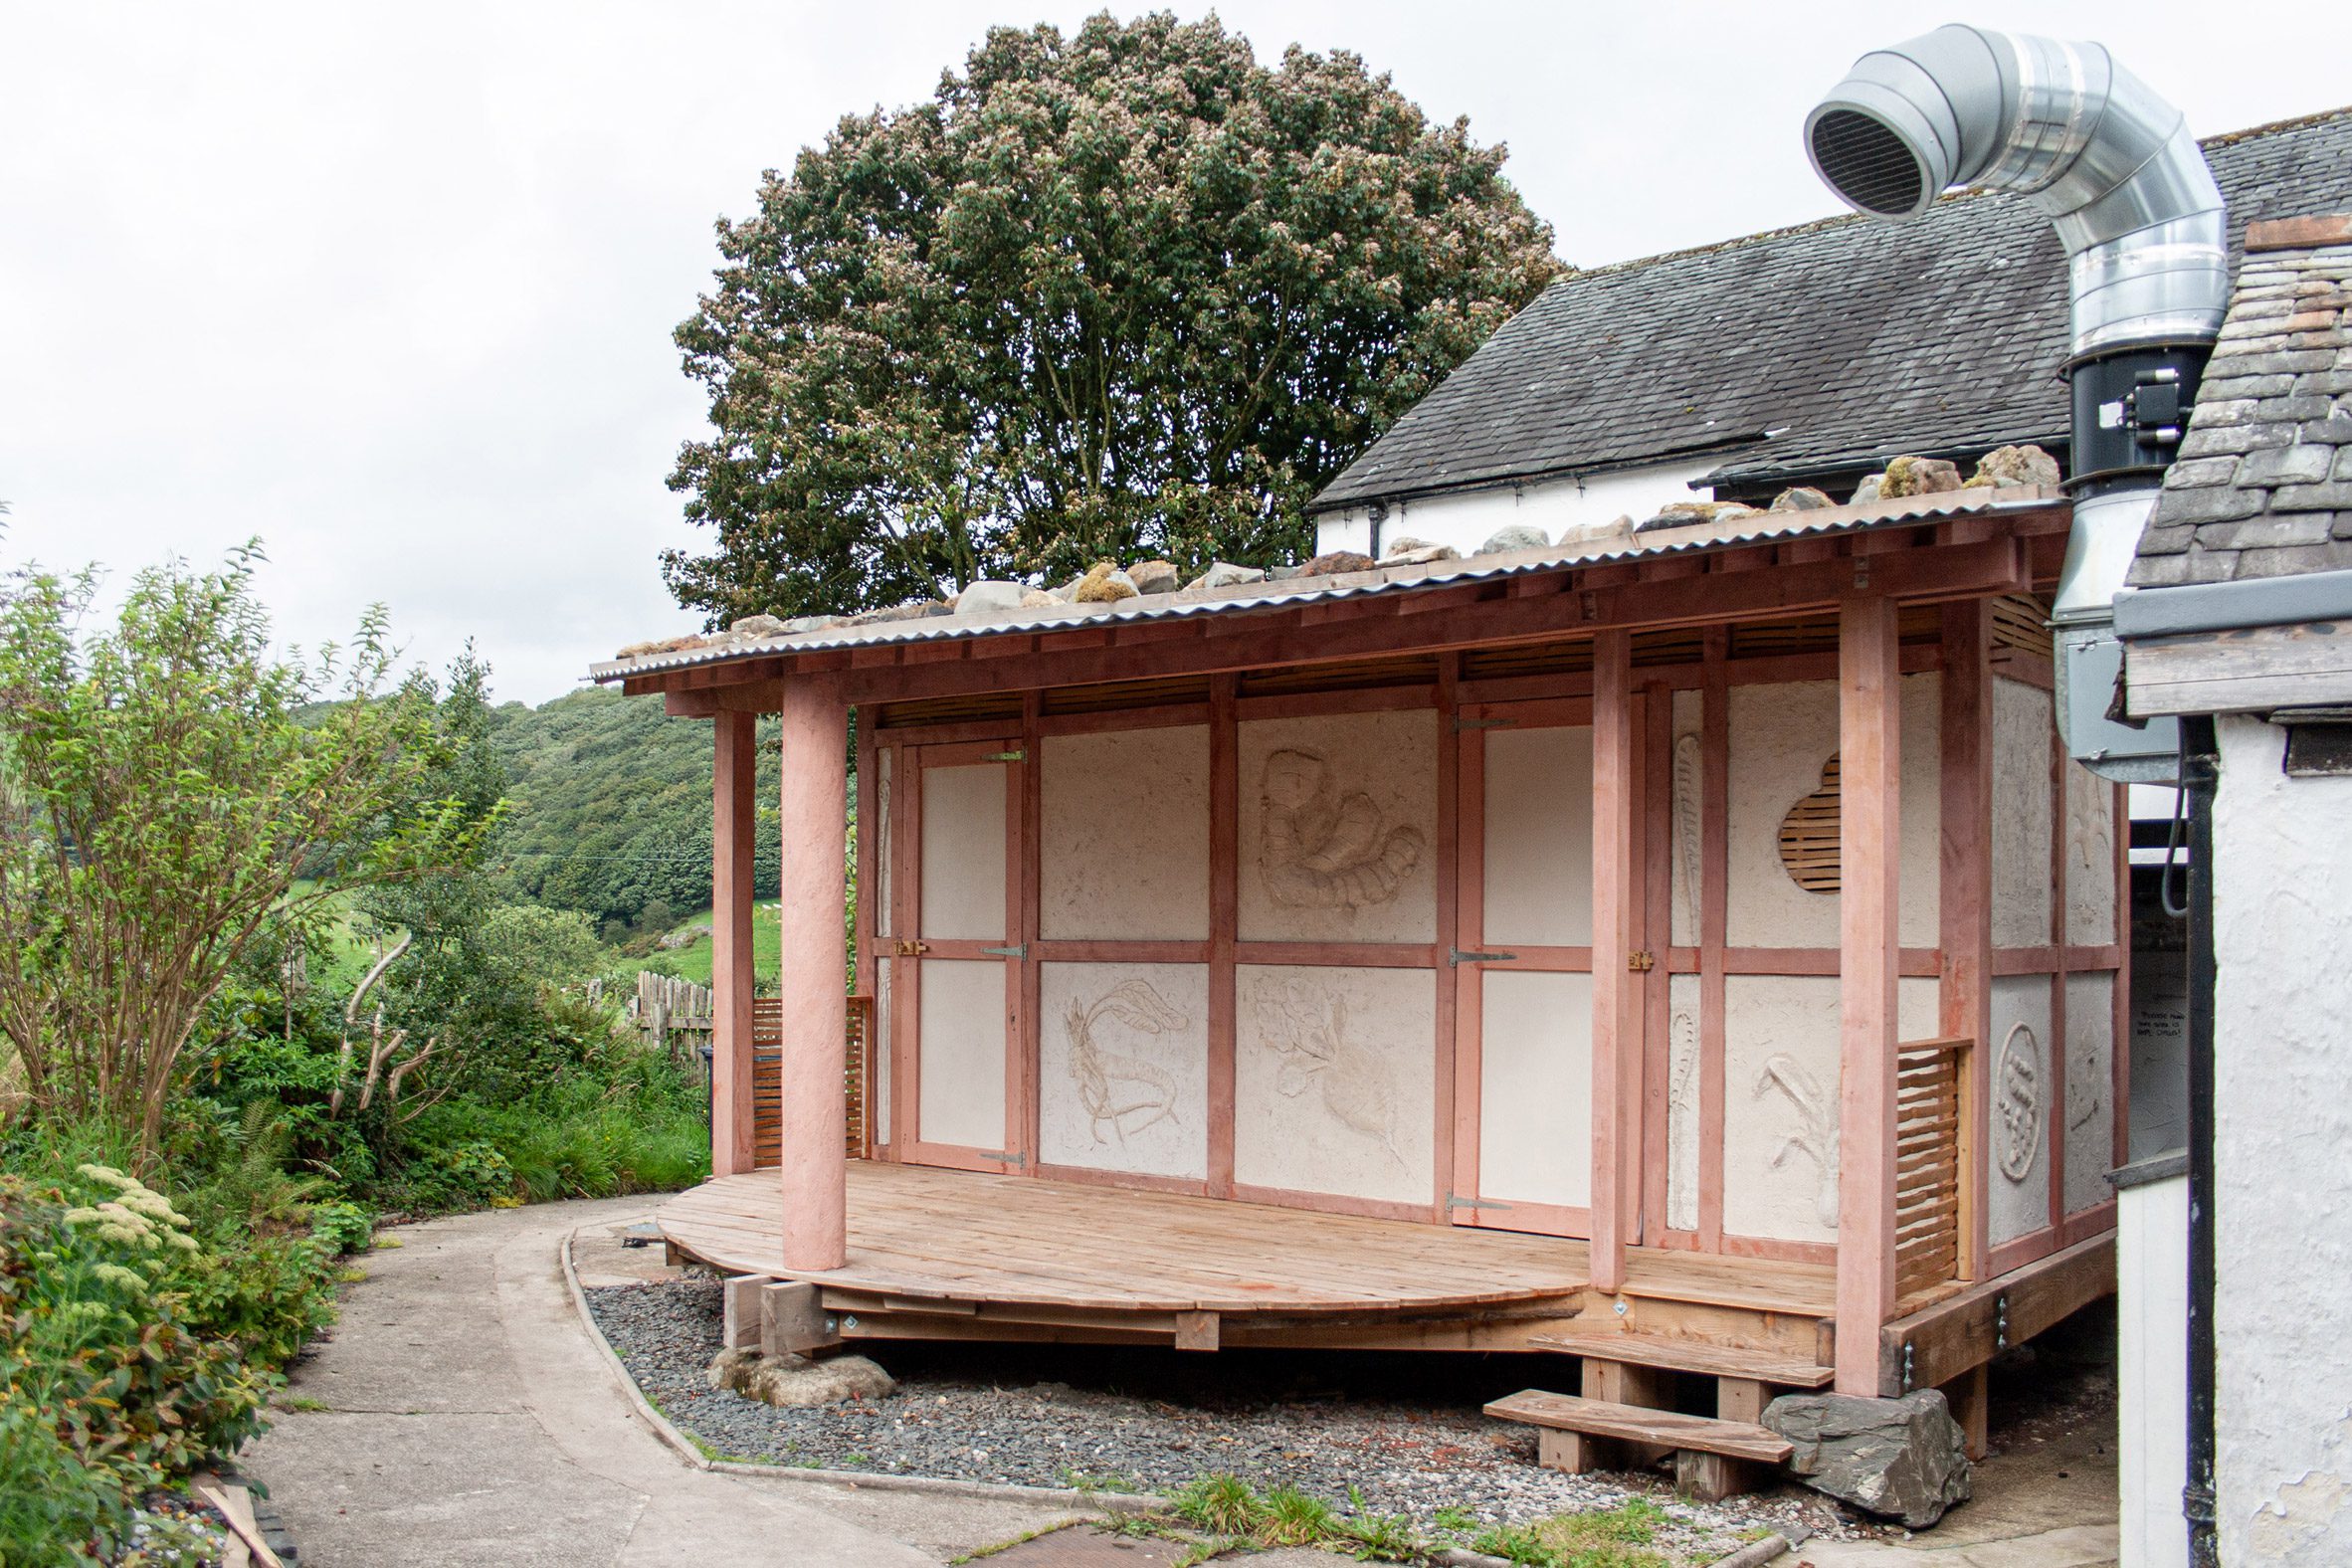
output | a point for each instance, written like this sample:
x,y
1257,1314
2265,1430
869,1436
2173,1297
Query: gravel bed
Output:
x,y
1401,1433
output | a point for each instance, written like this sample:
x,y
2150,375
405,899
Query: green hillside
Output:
x,y
612,808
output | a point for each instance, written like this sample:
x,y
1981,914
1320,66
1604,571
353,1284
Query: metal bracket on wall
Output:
x,y
1484,723
1006,756
1003,1156
1006,952
1456,958
1453,1202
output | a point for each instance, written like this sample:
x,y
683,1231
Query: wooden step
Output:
x,y
1686,1355
1599,1418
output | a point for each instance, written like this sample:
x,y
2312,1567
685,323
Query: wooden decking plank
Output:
x,y
1687,1355
1600,1418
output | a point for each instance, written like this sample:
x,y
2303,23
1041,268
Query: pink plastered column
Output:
x,y
815,816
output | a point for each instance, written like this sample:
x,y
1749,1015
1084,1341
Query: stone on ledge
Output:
x,y
1514,537
989,595
1104,584
756,625
1334,562
2007,466
1153,576
1907,477
1801,497
1424,555
1224,574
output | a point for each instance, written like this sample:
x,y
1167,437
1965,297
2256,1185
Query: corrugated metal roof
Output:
x,y
1761,529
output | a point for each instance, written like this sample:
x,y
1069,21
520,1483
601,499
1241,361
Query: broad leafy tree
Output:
x,y
165,782
1126,291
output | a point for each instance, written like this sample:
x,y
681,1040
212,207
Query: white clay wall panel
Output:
x,y
2016,1120
2090,1089
1338,828
1538,852
1682,1087
1124,1068
1535,1088
2022,739
962,1064
1335,1081
1686,801
1780,1096
963,853
1124,836
2091,857
1782,738
879,825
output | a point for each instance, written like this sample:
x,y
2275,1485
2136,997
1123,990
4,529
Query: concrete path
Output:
x,y
469,1419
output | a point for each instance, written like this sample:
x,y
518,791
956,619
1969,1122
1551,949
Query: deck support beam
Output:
x,y
734,788
1869,690
815,1002
1617,1038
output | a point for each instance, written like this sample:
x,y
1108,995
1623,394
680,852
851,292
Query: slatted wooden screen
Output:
x,y
767,1061
1928,1078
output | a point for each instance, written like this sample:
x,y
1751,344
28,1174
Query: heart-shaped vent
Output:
x,y
1809,835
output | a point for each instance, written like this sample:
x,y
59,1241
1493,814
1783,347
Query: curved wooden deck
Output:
x,y
946,1240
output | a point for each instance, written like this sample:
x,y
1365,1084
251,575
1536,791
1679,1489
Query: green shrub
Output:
x,y
111,1350
342,1225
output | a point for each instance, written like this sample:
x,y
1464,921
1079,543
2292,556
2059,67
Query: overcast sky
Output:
x,y
391,286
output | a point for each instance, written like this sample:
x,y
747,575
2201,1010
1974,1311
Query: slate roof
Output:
x,y
1811,351
2263,486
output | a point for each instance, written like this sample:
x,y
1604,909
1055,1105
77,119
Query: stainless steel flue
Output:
x,y
2122,181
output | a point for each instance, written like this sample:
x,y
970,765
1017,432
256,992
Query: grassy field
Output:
x,y
346,957
694,960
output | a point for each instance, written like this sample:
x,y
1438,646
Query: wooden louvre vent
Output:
x,y
1809,835
1928,1074
767,1072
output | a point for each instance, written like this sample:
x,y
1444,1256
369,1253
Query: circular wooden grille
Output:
x,y
1809,835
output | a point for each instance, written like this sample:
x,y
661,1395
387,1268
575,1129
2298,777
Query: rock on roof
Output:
x,y
2263,486
1811,351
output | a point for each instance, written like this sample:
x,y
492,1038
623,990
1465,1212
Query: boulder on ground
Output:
x,y
1902,1459
1331,563
2006,466
1909,476
1224,574
1801,497
1153,576
756,625
1516,536
1104,584
989,595
796,1382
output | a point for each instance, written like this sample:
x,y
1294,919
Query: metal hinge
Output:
x,y
1457,957
1006,756
1484,723
1003,1156
1006,952
1453,1202
1641,963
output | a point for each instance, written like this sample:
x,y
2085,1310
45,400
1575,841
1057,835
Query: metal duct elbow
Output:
x,y
2115,170
2110,164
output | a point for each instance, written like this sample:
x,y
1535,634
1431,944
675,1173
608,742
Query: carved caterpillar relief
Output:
x,y
1320,849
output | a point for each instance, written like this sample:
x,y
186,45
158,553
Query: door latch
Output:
x,y
1641,963
909,947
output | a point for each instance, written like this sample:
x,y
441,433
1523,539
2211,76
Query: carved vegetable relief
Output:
x,y
1334,1075
2017,1101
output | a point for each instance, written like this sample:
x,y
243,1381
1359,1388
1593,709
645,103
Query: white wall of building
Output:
x,y
1467,519
2283,1047
2152,1364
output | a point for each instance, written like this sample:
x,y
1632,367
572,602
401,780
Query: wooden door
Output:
x,y
962,1091
1523,1051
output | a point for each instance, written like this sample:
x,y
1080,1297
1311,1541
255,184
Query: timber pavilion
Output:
x,y
1686,950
